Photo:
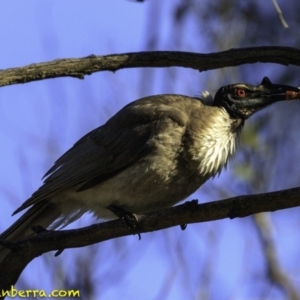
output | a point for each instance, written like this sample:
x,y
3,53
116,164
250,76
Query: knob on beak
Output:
x,y
291,95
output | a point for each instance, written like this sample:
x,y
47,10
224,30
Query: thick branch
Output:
x,y
191,212
85,66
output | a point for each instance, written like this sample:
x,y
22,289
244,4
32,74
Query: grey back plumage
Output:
x,y
113,147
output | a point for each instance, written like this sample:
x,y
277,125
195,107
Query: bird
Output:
x,y
152,154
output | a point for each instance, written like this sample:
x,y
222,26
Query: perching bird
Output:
x,y
153,153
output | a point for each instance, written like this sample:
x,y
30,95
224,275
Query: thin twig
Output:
x,y
284,23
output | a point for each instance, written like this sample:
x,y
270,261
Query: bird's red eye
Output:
x,y
240,93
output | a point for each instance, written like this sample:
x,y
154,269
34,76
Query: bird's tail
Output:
x,y
40,214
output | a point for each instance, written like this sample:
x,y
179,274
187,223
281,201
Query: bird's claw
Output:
x,y
38,229
193,203
130,219
183,226
190,204
58,252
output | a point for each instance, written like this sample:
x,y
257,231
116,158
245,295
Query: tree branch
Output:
x,y
80,67
26,250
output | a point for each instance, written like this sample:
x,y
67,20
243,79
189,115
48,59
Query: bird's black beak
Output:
x,y
243,100
277,92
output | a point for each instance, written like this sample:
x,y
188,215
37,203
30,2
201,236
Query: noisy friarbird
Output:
x,y
153,153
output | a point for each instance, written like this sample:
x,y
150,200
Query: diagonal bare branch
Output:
x,y
191,212
80,67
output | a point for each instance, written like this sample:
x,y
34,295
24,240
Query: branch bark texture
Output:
x,y
26,250
81,67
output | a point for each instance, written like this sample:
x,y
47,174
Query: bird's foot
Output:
x,y
192,204
130,219
40,229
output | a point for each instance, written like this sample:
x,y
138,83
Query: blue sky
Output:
x,y
41,120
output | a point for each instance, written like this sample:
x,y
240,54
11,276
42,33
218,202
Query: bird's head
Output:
x,y
242,100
